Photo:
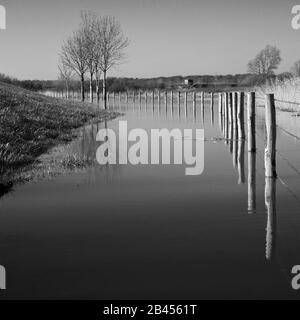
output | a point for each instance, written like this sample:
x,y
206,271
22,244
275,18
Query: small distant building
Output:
x,y
188,82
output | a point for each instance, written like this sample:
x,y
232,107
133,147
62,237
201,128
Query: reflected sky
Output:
x,y
149,231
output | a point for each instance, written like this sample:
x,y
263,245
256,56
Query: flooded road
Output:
x,y
150,231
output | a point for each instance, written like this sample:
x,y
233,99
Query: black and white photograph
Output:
x,y
149,153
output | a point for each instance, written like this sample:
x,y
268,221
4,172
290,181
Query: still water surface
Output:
x,y
150,231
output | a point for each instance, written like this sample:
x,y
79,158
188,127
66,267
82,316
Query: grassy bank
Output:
x,y
31,124
287,93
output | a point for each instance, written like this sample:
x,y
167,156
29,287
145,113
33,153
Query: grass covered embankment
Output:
x,y
31,124
287,93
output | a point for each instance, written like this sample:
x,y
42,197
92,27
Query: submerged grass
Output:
x,y
31,124
73,161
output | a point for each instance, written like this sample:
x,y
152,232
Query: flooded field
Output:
x,y
150,231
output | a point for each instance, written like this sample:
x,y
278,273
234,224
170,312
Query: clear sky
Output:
x,y
167,37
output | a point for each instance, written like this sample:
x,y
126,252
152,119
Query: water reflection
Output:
x,y
270,202
5,188
241,161
251,182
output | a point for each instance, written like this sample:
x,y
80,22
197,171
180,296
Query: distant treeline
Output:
x,y
175,82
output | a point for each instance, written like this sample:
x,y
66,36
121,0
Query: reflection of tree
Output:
x,y
270,202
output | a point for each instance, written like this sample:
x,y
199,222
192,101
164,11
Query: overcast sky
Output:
x,y
167,37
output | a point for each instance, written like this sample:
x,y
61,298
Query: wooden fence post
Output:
x,y
240,116
251,122
270,149
194,102
234,108
153,100
230,104
158,99
185,103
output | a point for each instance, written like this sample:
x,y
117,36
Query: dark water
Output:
x,y
150,231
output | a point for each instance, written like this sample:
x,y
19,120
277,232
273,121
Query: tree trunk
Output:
x,y
104,90
98,91
91,88
67,88
82,88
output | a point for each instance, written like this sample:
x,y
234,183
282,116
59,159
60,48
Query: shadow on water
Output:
x,y
5,188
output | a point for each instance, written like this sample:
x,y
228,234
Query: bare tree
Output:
x,y
111,45
89,29
266,62
295,70
65,74
74,56
98,79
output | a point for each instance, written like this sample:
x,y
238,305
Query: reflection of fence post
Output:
x,y
212,101
251,122
240,116
241,161
251,182
270,202
172,102
220,103
270,150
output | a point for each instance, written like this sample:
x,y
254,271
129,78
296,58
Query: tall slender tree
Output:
x,y
88,27
74,56
111,45
65,74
